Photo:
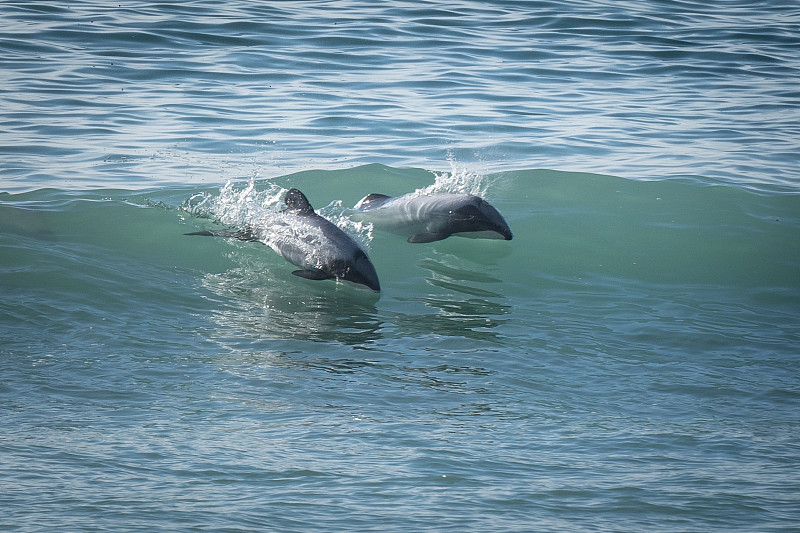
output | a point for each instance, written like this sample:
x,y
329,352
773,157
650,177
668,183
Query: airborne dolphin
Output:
x,y
316,245
433,217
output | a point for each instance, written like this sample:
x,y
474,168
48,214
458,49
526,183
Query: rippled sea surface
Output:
x,y
628,362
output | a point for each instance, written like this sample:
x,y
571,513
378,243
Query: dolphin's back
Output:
x,y
433,217
319,247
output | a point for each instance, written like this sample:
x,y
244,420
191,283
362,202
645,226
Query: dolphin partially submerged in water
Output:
x,y
433,217
307,240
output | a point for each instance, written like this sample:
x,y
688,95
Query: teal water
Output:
x,y
628,362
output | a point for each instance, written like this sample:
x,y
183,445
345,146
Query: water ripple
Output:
x,y
633,89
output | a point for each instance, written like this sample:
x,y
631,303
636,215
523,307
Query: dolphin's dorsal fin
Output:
x,y
297,201
372,200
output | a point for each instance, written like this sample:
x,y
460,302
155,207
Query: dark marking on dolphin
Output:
x,y
316,245
433,217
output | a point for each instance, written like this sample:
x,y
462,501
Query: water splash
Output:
x,y
361,231
460,179
257,206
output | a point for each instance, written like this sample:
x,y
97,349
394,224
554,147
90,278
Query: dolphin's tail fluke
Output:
x,y
243,235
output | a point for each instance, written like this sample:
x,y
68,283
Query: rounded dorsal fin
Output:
x,y
297,201
372,200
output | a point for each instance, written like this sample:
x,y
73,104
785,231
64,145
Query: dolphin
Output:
x,y
316,245
433,217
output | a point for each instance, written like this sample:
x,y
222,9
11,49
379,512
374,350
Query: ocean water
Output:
x,y
628,362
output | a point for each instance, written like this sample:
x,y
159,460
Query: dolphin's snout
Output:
x,y
363,272
494,218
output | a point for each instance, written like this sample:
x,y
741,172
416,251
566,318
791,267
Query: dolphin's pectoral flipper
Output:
x,y
428,237
245,234
317,275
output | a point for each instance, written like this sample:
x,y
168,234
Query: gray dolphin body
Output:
x,y
316,245
429,218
